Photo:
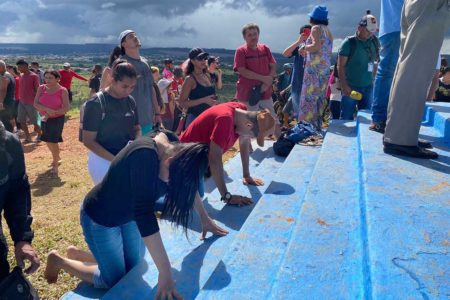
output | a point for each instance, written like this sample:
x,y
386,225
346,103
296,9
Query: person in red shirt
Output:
x,y
255,66
28,86
221,126
66,78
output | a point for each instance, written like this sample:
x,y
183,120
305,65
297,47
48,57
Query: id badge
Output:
x,y
370,67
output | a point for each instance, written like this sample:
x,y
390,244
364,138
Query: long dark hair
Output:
x,y
114,55
318,22
190,68
185,171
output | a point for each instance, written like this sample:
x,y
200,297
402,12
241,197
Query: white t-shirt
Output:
x,y
336,94
163,85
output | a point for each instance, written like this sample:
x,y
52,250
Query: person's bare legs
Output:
x,y
38,131
24,127
54,149
75,253
81,270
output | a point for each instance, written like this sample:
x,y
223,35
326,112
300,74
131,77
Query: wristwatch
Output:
x,y
226,198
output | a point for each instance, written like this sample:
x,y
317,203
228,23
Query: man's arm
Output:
x,y
267,80
342,62
244,150
3,89
17,211
156,108
76,75
216,165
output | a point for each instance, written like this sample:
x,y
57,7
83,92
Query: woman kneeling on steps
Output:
x,y
118,213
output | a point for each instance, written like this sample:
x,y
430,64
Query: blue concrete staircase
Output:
x,y
344,221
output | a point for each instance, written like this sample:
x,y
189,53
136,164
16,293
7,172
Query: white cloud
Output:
x,y
108,5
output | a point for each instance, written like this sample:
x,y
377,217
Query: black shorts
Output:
x,y
52,130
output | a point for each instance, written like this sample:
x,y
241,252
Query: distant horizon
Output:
x,y
143,47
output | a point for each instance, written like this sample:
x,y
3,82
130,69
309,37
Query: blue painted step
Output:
x,y
326,256
437,115
408,213
254,256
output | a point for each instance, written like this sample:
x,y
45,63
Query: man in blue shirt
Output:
x,y
389,37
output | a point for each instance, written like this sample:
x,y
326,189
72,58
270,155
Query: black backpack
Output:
x,y
375,42
283,146
102,99
16,286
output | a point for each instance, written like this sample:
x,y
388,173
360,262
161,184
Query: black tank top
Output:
x,y
9,98
198,92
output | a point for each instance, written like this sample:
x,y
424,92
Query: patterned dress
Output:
x,y
315,80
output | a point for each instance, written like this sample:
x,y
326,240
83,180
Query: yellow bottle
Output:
x,y
356,95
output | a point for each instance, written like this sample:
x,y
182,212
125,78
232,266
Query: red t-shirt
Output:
x,y
28,86
257,60
66,78
214,124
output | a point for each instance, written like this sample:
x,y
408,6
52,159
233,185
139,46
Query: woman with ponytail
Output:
x,y
119,213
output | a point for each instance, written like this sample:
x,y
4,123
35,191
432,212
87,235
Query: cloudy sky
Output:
x,y
173,23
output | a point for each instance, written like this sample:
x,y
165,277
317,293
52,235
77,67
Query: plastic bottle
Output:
x,y
356,95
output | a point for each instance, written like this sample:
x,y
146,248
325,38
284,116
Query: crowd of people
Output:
x,y
153,135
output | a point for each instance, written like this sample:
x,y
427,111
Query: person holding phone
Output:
x,y
198,92
298,69
215,72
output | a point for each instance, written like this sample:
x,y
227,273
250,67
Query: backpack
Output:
x,y
375,42
283,146
16,286
102,99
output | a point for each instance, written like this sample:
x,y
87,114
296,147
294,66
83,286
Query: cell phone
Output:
x,y
215,97
307,31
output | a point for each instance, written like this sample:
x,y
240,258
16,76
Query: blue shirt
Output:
x,y
390,15
297,72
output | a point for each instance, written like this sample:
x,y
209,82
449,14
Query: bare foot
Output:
x,y
75,253
54,169
53,267
72,253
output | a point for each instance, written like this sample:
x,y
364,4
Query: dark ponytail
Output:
x,y
189,68
121,68
185,172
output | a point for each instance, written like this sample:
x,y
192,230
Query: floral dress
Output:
x,y
317,72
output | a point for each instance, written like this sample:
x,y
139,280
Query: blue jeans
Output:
x,y
390,47
295,95
116,249
349,106
189,119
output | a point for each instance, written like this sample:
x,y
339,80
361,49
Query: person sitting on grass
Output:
x,y
220,127
118,214
110,120
52,102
